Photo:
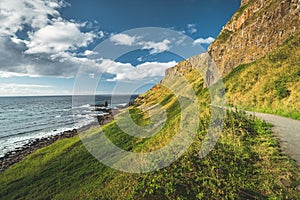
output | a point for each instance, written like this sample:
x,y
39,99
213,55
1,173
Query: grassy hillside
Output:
x,y
270,84
245,163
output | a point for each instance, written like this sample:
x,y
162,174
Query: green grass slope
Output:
x,y
270,84
246,162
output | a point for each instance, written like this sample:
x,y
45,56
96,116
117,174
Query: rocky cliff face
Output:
x,y
244,2
257,28
204,64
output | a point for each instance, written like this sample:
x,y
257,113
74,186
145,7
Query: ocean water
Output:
x,y
27,118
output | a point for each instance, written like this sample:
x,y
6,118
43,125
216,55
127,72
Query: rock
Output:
x,y
106,104
17,155
253,32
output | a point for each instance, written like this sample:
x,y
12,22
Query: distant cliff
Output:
x,y
257,28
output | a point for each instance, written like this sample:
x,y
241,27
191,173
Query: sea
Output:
x,y
23,119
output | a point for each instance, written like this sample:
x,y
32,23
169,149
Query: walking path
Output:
x,y
287,131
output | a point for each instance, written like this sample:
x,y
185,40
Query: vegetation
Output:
x,y
224,36
241,10
270,84
246,162
241,166
281,90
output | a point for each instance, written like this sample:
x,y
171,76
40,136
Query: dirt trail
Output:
x,y
287,131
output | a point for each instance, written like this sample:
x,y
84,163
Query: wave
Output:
x,y
13,141
29,119
81,106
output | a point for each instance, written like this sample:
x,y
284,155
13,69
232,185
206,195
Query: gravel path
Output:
x,y
287,131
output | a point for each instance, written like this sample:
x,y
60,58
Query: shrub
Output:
x,y
278,57
298,72
280,87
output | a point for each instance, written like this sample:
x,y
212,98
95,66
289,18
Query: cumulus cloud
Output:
x,y
53,46
89,53
147,70
57,37
156,47
204,40
48,43
123,39
15,14
62,64
153,46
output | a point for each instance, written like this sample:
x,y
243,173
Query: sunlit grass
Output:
x,y
270,84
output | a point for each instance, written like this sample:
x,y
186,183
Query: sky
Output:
x,y
54,47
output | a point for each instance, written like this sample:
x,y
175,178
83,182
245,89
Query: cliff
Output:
x,y
256,29
202,64
257,54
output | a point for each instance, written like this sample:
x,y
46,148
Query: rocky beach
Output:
x,y
20,153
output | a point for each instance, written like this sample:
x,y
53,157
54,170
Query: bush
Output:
x,y
298,72
278,57
280,87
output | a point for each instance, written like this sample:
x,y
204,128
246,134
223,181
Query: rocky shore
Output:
x,y
20,153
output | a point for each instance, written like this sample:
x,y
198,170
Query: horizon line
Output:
x,y
61,95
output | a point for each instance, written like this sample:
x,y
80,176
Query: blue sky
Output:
x,y
45,44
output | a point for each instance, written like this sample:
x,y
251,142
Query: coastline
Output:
x,y
12,157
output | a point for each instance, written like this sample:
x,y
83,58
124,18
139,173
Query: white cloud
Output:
x,y
13,86
204,40
12,89
4,74
100,34
92,75
123,39
192,28
89,53
156,47
57,37
15,14
144,71
47,40
50,44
